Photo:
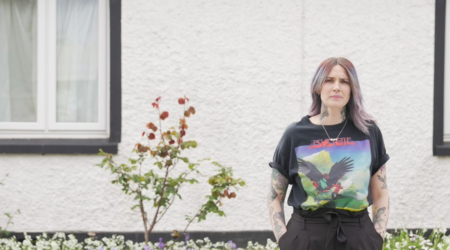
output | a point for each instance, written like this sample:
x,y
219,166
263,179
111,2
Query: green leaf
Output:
x,y
166,194
186,160
159,164
136,178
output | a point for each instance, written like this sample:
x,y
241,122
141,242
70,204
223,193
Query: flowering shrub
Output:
x,y
59,242
408,240
401,239
156,185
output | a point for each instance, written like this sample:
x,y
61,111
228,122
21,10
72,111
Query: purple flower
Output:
x,y
160,244
102,248
186,237
147,248
232,244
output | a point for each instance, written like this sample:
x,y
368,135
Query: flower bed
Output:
x,y
400,239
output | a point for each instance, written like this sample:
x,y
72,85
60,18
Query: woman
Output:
x,y
335,160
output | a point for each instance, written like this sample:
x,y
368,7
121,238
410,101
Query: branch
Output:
x,y
159,202
167,208
198,213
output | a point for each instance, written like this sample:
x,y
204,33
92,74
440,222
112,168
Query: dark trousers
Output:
x,y
330,229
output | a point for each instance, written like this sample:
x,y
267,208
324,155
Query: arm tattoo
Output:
x,y
383,180
277,217
377,220
278,187
272,195
281,184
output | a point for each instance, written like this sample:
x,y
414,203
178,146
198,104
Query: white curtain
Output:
x,y
18,22
77,61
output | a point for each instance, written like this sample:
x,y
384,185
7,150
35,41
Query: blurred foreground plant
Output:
x,y
157,183
9,216
404,239
401,239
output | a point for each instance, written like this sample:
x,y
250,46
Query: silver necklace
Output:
x,y
334,139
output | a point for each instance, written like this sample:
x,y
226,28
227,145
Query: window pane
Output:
x,y
18,43
77,61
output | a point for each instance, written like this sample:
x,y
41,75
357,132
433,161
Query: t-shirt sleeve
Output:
x,y
281,156
381,157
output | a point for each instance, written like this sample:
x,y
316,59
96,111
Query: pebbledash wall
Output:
x,y
246,67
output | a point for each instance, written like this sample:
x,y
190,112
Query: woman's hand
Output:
x,y
275,203
380,199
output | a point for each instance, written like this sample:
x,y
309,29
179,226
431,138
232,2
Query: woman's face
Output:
x,y
336,90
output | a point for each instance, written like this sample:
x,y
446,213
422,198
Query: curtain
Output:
x,y
77,61
18,43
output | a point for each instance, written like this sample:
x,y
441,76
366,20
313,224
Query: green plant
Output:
x,y
158,183
404,239
9,221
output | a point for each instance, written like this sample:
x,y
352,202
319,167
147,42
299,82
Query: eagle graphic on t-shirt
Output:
x,y
325,182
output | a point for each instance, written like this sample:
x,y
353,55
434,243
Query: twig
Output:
x,y
196,216
159,202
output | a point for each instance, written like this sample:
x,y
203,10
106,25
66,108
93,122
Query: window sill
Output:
x,y
57,146
442,150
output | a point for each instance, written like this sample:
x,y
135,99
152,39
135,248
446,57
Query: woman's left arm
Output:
x,y
380,200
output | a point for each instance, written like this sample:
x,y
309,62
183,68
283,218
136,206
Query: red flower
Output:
x,y
157,99
164,115
181,101
191,110
155,105
141,148
182,132
152,126
151,136
143,133
171,142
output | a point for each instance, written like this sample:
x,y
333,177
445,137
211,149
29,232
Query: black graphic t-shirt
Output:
x,y
328,174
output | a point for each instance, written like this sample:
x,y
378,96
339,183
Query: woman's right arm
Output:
x,y
275,203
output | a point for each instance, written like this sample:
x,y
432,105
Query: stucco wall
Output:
x,y
246,66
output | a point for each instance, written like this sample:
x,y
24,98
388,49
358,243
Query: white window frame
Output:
x,y
46,125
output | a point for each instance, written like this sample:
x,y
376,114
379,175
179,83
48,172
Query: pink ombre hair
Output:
x,y
354,109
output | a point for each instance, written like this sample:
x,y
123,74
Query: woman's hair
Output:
x,y
354,108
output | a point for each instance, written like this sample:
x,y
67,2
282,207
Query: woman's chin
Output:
x,y
334,106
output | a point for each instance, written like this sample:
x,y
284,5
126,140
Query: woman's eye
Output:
x,y
345,82
327,80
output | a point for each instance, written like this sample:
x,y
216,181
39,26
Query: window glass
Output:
x,y
18,43
77,61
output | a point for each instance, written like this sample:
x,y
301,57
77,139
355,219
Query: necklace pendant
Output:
x,y
332,140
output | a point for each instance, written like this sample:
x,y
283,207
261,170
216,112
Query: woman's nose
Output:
x,y
336,86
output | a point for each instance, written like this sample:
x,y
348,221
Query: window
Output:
x,y
60,76
441,119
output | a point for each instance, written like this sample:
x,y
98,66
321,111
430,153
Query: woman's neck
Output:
x,y
331,116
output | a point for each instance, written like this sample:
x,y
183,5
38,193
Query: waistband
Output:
x,y
335,218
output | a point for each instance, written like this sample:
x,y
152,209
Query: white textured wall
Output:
x,y
246,66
